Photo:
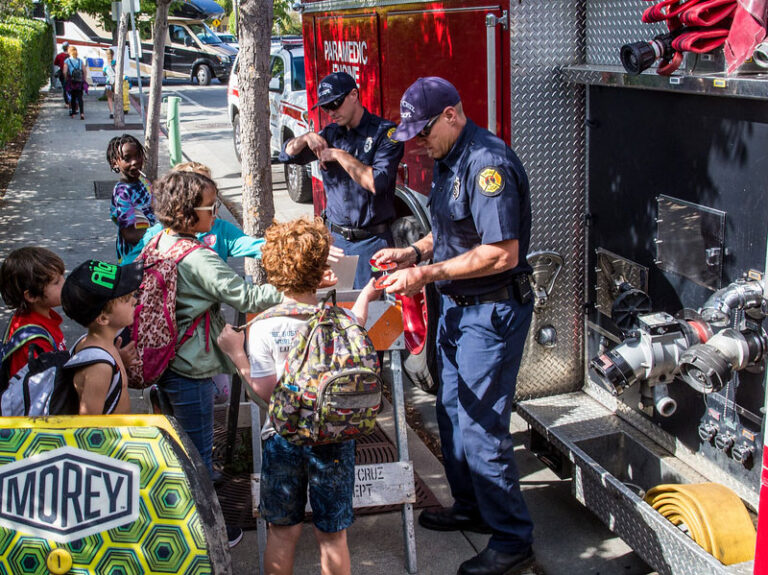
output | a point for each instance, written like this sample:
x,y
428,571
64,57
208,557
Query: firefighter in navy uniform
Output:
x,y
481,221
359,161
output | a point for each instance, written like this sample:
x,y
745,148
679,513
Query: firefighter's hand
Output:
x,y
326,156
407,282
317,144
403,257
128,353
230,341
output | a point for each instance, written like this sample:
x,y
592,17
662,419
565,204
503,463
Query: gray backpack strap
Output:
x,y
90,356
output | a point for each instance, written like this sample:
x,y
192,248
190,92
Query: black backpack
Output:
x,y
40,387
75,72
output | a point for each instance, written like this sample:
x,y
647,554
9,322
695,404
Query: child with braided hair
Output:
x,y
131,208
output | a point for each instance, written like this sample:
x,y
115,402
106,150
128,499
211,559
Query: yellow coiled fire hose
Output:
x,y
714,516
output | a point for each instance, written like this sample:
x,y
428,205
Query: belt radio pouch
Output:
x,y
522,287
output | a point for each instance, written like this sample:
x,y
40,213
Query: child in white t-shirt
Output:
x,y
295,258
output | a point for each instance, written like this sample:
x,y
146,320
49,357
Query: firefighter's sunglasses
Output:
x,y
427,129
335,104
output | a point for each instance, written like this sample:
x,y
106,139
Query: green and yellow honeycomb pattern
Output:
x,y
167,537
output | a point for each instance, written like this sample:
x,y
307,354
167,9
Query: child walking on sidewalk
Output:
x,y
109,85
74,71
131,208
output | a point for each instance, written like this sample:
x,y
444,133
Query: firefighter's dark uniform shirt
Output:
x,y
348,203
479,196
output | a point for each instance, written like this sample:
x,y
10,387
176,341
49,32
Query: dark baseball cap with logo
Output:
x,y
92,284
422,101
334,86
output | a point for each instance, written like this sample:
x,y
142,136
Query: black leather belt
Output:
x,y
519,289
357,234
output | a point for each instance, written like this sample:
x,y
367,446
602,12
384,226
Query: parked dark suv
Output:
x,y
194,51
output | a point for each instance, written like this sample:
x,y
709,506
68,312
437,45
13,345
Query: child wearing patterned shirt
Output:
x,y
131,208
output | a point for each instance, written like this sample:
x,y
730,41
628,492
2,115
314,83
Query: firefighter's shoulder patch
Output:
x,y
389,135
490,180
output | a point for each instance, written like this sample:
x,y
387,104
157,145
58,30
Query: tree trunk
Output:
x,y
117,100
254,33
152,136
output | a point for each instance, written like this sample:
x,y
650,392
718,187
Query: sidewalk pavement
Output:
x,y
50,202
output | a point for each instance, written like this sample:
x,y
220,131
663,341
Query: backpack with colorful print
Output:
x,y
330,390
154,320
38,388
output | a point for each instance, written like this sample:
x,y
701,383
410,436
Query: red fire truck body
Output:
x,y
648,244
385,48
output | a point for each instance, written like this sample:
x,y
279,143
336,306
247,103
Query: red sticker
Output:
x,y
382,267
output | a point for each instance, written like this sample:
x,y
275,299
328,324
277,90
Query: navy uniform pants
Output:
x,y
479,352
365,250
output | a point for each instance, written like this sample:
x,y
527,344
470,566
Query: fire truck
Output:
x,y
645,361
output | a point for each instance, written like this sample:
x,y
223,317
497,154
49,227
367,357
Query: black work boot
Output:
x,y
448,519
492,562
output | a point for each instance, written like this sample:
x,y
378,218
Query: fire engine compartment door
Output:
x,y
453,41
348,44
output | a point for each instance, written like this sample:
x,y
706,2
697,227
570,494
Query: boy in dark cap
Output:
x,y
359,159
101,297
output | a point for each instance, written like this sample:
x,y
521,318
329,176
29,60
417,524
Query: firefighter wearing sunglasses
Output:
x,y
358,160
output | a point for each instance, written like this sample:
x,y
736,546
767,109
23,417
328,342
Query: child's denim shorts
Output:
x,y
287,469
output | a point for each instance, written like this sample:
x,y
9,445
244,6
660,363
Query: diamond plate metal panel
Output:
x,y
613,23
547,126
750,494
570,418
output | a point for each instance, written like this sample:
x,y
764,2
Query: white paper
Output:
x,y
345,270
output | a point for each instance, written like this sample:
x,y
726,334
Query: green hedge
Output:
x,y
26,57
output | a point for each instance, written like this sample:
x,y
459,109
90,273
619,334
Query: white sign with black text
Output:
x,y
67,494
375,484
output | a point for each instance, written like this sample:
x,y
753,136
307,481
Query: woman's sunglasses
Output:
x,y
214,209
335,104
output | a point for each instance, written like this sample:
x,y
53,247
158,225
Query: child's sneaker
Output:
x,y
234,535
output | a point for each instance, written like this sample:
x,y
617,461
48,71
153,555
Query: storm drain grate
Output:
x,y
103,189
98,127
234,490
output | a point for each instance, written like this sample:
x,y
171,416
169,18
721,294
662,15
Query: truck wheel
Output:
x,y
236,136
203,75
420,314
298,182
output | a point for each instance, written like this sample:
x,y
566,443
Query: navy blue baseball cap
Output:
x,y
422,101
334,86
